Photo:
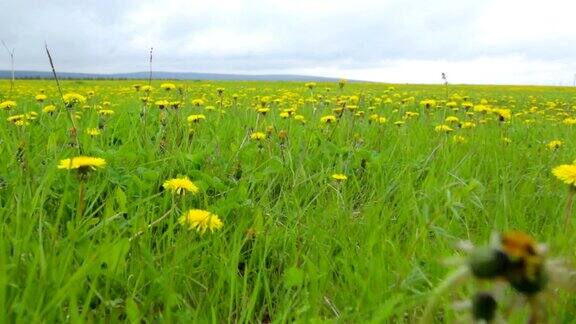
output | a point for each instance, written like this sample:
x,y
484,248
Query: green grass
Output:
x,y
295,245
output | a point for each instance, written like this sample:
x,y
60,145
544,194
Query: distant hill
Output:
x,y
163,76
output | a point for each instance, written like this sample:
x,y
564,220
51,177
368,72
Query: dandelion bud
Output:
x,y
487,263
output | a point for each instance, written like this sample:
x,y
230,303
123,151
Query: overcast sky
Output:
x,y
488,41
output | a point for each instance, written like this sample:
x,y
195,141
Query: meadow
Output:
x,y
326,202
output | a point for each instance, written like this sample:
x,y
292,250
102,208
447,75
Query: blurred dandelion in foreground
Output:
x,y
567,174
512,268
180,186
201,220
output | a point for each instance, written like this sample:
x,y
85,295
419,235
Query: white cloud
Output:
x,y
494,41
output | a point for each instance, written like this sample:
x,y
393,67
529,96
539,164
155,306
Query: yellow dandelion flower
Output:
x,y
258,136
168,86
146,88
200,220
7,105
310,85
263,111
93,132
196,118
49,109
180,186
300,118
198,102
82,163
162,104
555,144
41,97
339,177
328,119
71,99
443,129
566,173
106,112
459,139
452,119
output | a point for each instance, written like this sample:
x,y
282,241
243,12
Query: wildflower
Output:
x,y
399,123
200,220
7,105
328,119
258,136
93,132
566,173
41,97
162,104
567,121
180,186
71,99
167,86
198,102
15,118
443,129
300,118
506,140
468,125
452,119
503,114
284,115
49,109
342,83
459,139
106,112
310,85
339,177
82,163
554,145
196,118
263,111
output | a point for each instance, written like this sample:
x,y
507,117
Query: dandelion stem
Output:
x,y
569,205
81,199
